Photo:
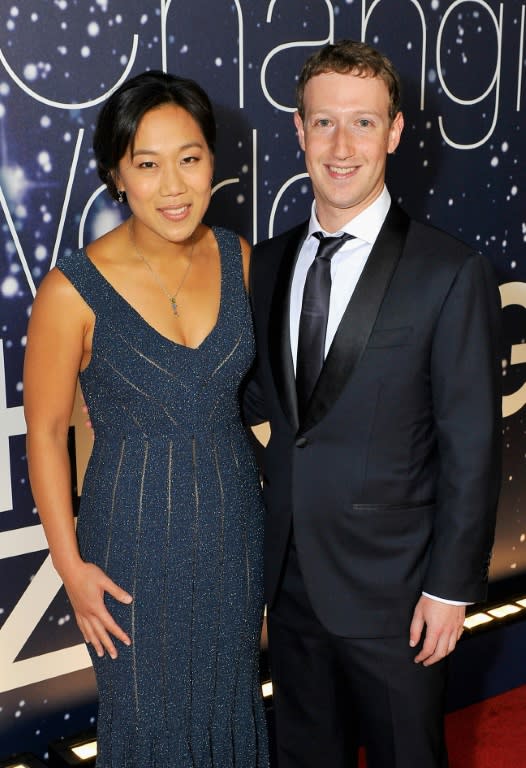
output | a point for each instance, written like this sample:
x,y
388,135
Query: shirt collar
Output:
x,y
365,226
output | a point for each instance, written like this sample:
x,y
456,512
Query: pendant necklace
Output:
x,y
172,297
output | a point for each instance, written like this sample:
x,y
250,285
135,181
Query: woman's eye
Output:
x,y
189,160
147,164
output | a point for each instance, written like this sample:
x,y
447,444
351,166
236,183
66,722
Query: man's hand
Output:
x,y
87,423
443,625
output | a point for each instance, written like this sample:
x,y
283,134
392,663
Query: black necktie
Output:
x,y
313,318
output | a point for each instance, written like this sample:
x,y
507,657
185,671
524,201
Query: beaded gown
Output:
x,y
171,510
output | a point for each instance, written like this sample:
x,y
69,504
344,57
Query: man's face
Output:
x,y
346,136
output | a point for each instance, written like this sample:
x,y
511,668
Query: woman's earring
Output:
x,y
120,196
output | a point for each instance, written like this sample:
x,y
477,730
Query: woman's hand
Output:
x,y
86,587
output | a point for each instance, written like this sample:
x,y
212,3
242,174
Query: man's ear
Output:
x,y
395,132
298,122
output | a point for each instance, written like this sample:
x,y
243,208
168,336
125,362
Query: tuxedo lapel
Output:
x,y
279,326
359,318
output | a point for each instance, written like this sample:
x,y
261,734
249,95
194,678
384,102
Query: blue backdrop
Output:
x,y
458,166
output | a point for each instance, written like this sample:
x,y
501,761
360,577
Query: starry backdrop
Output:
x,y
458,167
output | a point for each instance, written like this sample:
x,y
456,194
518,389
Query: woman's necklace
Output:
x,y
172,297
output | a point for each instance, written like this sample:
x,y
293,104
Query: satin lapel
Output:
x,y
360,316
279,326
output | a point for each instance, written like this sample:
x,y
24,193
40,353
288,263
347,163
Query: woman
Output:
x,y
165,570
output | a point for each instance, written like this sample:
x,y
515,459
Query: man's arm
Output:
x,y
465,381
253,407
252,401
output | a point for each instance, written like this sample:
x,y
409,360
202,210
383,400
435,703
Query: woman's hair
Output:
x,y
351,57
120,116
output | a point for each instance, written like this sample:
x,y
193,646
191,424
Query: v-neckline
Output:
x,y
148,325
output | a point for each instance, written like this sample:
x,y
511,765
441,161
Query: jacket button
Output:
x,y
301,442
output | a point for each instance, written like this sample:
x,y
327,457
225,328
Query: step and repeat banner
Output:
x,y
458,166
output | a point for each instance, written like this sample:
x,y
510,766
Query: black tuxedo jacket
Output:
x,y
391,481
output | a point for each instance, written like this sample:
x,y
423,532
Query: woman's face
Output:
x,y
167,174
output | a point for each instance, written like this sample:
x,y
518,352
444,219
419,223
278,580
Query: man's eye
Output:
x,y
324,122
364,122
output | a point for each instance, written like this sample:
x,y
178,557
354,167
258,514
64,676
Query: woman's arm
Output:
x,y
58,346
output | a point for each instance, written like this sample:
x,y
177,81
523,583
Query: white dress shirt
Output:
x,y
347,265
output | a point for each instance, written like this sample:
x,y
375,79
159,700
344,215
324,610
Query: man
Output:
x,y
382,472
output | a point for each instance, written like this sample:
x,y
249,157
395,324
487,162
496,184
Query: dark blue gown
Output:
x,y
171,510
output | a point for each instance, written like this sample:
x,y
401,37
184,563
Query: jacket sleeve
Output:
x,y
466,393
252,400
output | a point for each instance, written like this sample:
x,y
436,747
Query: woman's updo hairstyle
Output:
x,y
120,116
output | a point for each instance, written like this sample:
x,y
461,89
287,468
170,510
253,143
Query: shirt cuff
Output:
x,y
443,600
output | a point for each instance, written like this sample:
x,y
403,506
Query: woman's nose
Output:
x,y
172,180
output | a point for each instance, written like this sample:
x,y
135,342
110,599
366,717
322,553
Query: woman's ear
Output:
x,y
116,179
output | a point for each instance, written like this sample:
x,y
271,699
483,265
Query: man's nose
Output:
x,y
343,142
